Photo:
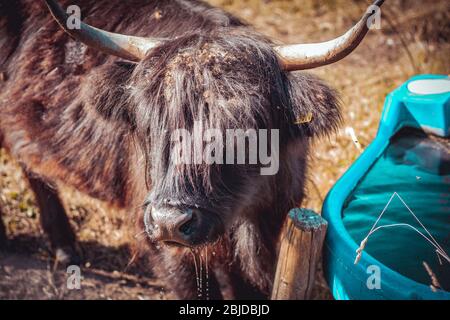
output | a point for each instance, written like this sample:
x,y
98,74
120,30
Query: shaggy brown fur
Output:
x,y
73,115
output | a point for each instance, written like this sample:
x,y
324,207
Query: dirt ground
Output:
x,y
414,38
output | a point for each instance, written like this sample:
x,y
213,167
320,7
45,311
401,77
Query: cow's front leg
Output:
x,y
185,274
251,272
242,288
54,220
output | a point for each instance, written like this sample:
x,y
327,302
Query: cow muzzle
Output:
x,y
187,227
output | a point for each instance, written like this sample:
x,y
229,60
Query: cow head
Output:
x,y
183,90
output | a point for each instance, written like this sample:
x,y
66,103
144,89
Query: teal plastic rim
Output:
x,y
422,102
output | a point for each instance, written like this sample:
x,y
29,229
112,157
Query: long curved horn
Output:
x,y
313,55
126,47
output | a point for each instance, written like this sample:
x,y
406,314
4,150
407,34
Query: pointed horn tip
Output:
x,y
308,56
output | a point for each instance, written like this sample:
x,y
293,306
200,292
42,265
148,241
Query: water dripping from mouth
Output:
x,y
207,273
197,274
201,273
200,257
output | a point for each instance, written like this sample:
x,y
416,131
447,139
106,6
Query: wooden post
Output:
x,y
301,243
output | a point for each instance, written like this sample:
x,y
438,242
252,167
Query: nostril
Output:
x,y
188,227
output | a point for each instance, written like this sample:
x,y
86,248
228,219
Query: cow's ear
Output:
x,y
107,91
314,107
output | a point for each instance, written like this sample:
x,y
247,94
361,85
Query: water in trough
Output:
x,y
415,166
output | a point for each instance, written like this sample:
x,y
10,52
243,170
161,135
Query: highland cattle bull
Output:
x,y
96,110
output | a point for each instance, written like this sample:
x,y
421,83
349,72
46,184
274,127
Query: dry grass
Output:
x,y
414,39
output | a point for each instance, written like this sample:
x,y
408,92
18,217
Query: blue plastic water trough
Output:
x,y
407,158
